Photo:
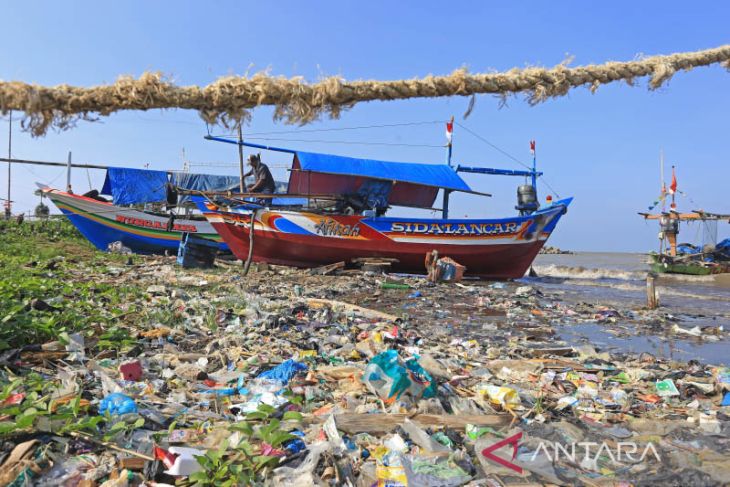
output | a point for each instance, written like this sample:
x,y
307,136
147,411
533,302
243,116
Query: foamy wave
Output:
x,y
568,272
641,288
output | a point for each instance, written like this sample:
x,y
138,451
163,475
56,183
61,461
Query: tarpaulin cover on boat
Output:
x,y
129,186
204,182
414,184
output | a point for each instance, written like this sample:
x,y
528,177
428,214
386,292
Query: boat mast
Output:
x,y
240,158
450,136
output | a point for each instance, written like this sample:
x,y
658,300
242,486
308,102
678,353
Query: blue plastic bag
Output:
x,y
389,377
117,403
284,371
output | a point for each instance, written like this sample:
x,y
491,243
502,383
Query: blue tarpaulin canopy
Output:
x,y
411,184
129,186
435,175
204,182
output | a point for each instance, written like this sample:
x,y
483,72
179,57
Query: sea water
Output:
x,y
619,279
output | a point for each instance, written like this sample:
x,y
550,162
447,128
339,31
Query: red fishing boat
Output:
x,y
334,211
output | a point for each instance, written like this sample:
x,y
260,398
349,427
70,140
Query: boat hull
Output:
x,y
104,223
689,268
489,248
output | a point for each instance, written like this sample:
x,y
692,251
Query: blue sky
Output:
x,y
603,149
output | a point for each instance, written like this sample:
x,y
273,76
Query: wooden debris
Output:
x,y
374,264
132,463
385,423
366,312
326,269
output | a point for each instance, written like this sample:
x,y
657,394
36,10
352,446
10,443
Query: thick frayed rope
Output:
x,y
229,99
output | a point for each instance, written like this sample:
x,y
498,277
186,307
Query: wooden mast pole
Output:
x,y
240,158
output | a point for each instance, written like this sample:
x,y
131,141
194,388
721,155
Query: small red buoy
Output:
x,y
549,198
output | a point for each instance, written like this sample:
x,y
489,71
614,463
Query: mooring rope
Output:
x,y
229,99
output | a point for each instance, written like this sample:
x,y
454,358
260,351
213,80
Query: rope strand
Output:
x,y
229,99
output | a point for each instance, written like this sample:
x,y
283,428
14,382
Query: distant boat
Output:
x,y
674,258
345,220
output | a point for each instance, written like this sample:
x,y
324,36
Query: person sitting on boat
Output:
x,y
264,180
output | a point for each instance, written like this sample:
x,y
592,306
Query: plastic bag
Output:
x,y
388,377
284,371
117,403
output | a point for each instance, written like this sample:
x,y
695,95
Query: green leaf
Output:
x,y
265,408
26,420
243,427
139,423
257,415
280,437
261,461
7,427
292,416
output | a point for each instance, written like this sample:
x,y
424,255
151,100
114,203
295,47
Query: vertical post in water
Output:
x,y
68,174
240,158
449,137
652,300
10,156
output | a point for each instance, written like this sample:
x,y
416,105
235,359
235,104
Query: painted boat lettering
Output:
x,y
139,222
456,228
330,227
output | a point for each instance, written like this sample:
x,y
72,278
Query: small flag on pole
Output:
x,y
673,186
532,148
449,131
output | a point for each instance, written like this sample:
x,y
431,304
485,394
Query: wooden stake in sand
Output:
x,y
652,299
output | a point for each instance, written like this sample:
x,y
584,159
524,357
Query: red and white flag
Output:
x,y
673,186
449,131
532,147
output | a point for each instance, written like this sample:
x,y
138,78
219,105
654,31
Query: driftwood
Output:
x,y
326,269
385,423
366,312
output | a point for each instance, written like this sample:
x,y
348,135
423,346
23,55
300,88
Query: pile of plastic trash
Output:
x,y
286,378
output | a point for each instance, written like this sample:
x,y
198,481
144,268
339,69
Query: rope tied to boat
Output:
x,y
229,99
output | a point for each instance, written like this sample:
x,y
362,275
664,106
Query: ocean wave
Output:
x,y
640,289
578,272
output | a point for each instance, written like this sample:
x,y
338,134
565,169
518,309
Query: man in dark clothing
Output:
x,y
264,180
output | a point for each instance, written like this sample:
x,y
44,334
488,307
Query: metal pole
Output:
x,y
534,171
445,206
68,174
10,156
240,158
